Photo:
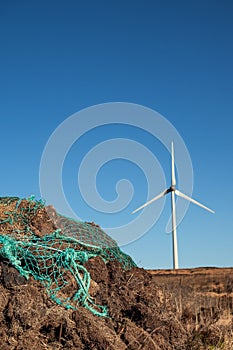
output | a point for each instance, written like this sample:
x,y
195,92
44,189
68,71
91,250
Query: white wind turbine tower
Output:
x,y
173,191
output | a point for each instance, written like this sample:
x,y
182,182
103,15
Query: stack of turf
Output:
x,y
53,249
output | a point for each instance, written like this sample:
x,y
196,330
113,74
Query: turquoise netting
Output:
x,y
56,258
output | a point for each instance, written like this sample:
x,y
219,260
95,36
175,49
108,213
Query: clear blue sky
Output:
x,y
58,57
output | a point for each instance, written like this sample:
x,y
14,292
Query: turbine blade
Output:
x,y
173,166
151,201
180,194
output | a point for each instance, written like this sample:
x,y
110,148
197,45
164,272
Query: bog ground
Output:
x,y
107,302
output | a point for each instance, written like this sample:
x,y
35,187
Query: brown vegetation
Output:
x,y
151,310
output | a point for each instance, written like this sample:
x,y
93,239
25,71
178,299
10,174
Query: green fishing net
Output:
x,y
55,258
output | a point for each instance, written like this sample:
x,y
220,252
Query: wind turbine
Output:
x,y
172,189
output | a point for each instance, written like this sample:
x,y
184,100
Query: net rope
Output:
x,y
56,259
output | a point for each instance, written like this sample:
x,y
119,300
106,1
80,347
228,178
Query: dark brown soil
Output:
x,y
143,312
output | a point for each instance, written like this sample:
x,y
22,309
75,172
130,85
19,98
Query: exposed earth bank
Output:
x,y
151,310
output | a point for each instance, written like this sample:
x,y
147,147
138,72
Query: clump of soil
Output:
x,y
141,314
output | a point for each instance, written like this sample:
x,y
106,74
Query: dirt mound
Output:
x,y
141,314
